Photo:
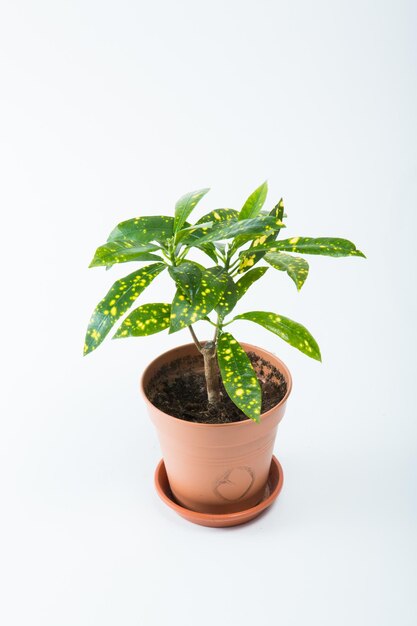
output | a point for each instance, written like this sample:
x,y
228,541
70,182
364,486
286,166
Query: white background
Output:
x,y
112,110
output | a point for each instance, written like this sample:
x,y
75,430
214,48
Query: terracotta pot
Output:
x,y
216,468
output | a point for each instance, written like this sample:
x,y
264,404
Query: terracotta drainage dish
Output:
x,y
221,520
217,474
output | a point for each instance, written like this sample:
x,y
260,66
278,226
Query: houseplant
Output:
x,y
203,397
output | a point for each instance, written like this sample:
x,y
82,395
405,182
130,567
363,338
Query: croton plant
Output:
x,y
234,241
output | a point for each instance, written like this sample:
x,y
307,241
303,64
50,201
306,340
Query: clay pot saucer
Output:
x,y
272,490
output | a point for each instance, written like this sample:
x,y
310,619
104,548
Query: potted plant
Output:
x,y
217,403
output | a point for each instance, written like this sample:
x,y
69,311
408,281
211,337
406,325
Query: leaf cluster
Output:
x,y
234,242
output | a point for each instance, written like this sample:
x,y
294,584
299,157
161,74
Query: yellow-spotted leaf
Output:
x,y
216,216
193,231
117,302
185,205
238,376
292,332
295,266
187,277
277,212
228,299
147,319
248,279
233,228
192,235
187,309
123,251
219,215
203,225
144,229
326,246
254,203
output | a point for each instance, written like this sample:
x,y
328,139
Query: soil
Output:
x,y
179,389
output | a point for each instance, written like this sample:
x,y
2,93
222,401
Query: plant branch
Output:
x,y
196,341
183,254
234,264
216,331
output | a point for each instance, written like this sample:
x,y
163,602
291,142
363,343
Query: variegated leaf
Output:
x,y
327,246
228,298
219,215
186,310
187,277
144,229
147,319
248,279
192,236
202,227
116,303
185,205
233,228
194,231
278,212
123,251
295,266
292,332
238,376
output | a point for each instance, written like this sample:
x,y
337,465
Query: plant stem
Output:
x,y
211,368
211,372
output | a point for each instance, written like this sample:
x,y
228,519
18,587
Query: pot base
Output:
x,y
272,490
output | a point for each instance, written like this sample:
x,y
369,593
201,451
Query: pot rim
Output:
x,y
247,346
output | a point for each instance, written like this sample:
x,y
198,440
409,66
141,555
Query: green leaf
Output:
x,y
295,266
123,251
187,277
194,233
202,227
327,246
144,229
187,309
116,302
221,247
147,319
185,205
248,279
278,212
219,215
293,333
228,299
193,230
254,203
238,376
232,228
210,250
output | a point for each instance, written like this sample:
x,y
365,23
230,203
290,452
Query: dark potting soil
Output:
x,y
179,389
